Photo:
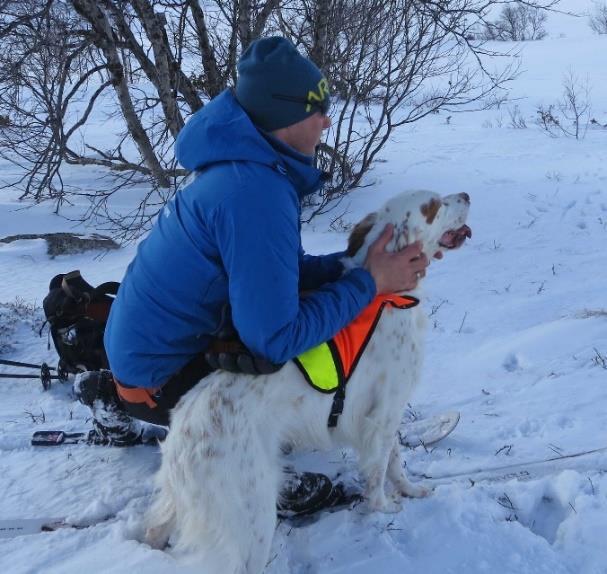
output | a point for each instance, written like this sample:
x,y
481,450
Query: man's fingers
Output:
x,y
420,266
384,238
412,251
416,259
379,245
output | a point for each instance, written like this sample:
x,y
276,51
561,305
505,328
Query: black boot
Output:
x,y
112,424
305,493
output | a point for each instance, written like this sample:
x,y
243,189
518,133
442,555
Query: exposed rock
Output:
x,y
68,243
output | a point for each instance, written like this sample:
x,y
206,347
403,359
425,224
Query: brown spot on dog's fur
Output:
x,y
228,404
429,210
217,421
211,452
357,237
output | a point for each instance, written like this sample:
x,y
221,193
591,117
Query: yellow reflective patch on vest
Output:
x,y
318,366
329,366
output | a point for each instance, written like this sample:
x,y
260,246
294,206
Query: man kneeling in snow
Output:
x,y
225,257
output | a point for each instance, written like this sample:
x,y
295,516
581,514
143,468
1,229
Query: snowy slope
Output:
x,y
518,327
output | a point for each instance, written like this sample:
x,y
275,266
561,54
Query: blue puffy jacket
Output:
x,y
232,235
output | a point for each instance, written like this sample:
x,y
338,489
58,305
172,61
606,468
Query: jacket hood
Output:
x,y
222,131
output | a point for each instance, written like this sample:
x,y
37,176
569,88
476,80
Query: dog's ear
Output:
x,y
430,209
357,237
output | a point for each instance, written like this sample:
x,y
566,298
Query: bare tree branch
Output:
x,y
142,66
104,40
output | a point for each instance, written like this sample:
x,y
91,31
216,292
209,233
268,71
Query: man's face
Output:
x,y
304,136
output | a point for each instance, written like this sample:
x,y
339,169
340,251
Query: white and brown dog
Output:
x,y
221,469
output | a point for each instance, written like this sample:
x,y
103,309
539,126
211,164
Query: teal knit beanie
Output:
x,y
277,86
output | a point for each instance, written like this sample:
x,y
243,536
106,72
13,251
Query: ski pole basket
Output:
x,y
44,375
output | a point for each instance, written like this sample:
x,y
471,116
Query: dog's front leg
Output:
x,y
398,477
374,460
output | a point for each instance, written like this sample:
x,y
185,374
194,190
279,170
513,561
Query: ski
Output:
x,y
341,498
346,498
26,526
425,432
415,433
92,437
56,438
529,470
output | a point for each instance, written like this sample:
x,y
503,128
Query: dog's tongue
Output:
x,y
455,237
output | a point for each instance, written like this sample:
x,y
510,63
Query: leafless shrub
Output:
x,y
547,119
517,120
36,419
517,23
598,18
571,115
391,63
599,359
506,449
12,315
143,66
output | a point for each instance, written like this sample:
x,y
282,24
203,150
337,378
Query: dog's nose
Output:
x,y
465,196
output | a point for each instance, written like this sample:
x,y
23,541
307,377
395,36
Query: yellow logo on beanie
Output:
x,y
318,96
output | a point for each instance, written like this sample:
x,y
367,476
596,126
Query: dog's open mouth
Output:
x,y
454,238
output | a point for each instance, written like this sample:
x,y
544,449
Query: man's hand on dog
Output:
x,y
401,271
395,271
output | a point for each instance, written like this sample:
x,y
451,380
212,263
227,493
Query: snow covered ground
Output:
x,y
517,343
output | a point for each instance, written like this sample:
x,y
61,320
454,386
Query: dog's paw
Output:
x,y
156,537
412,491
385,505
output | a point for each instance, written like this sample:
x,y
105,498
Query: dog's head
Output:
x,y
422,216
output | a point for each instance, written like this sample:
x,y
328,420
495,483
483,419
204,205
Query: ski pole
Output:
x,y
44,376
28,365
22,376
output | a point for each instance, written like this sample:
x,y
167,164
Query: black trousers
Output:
x,y
154,405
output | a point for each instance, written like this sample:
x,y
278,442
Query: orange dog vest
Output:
x,y
329,366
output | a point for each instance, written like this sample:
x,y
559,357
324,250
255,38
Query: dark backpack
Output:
x,y
77,314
